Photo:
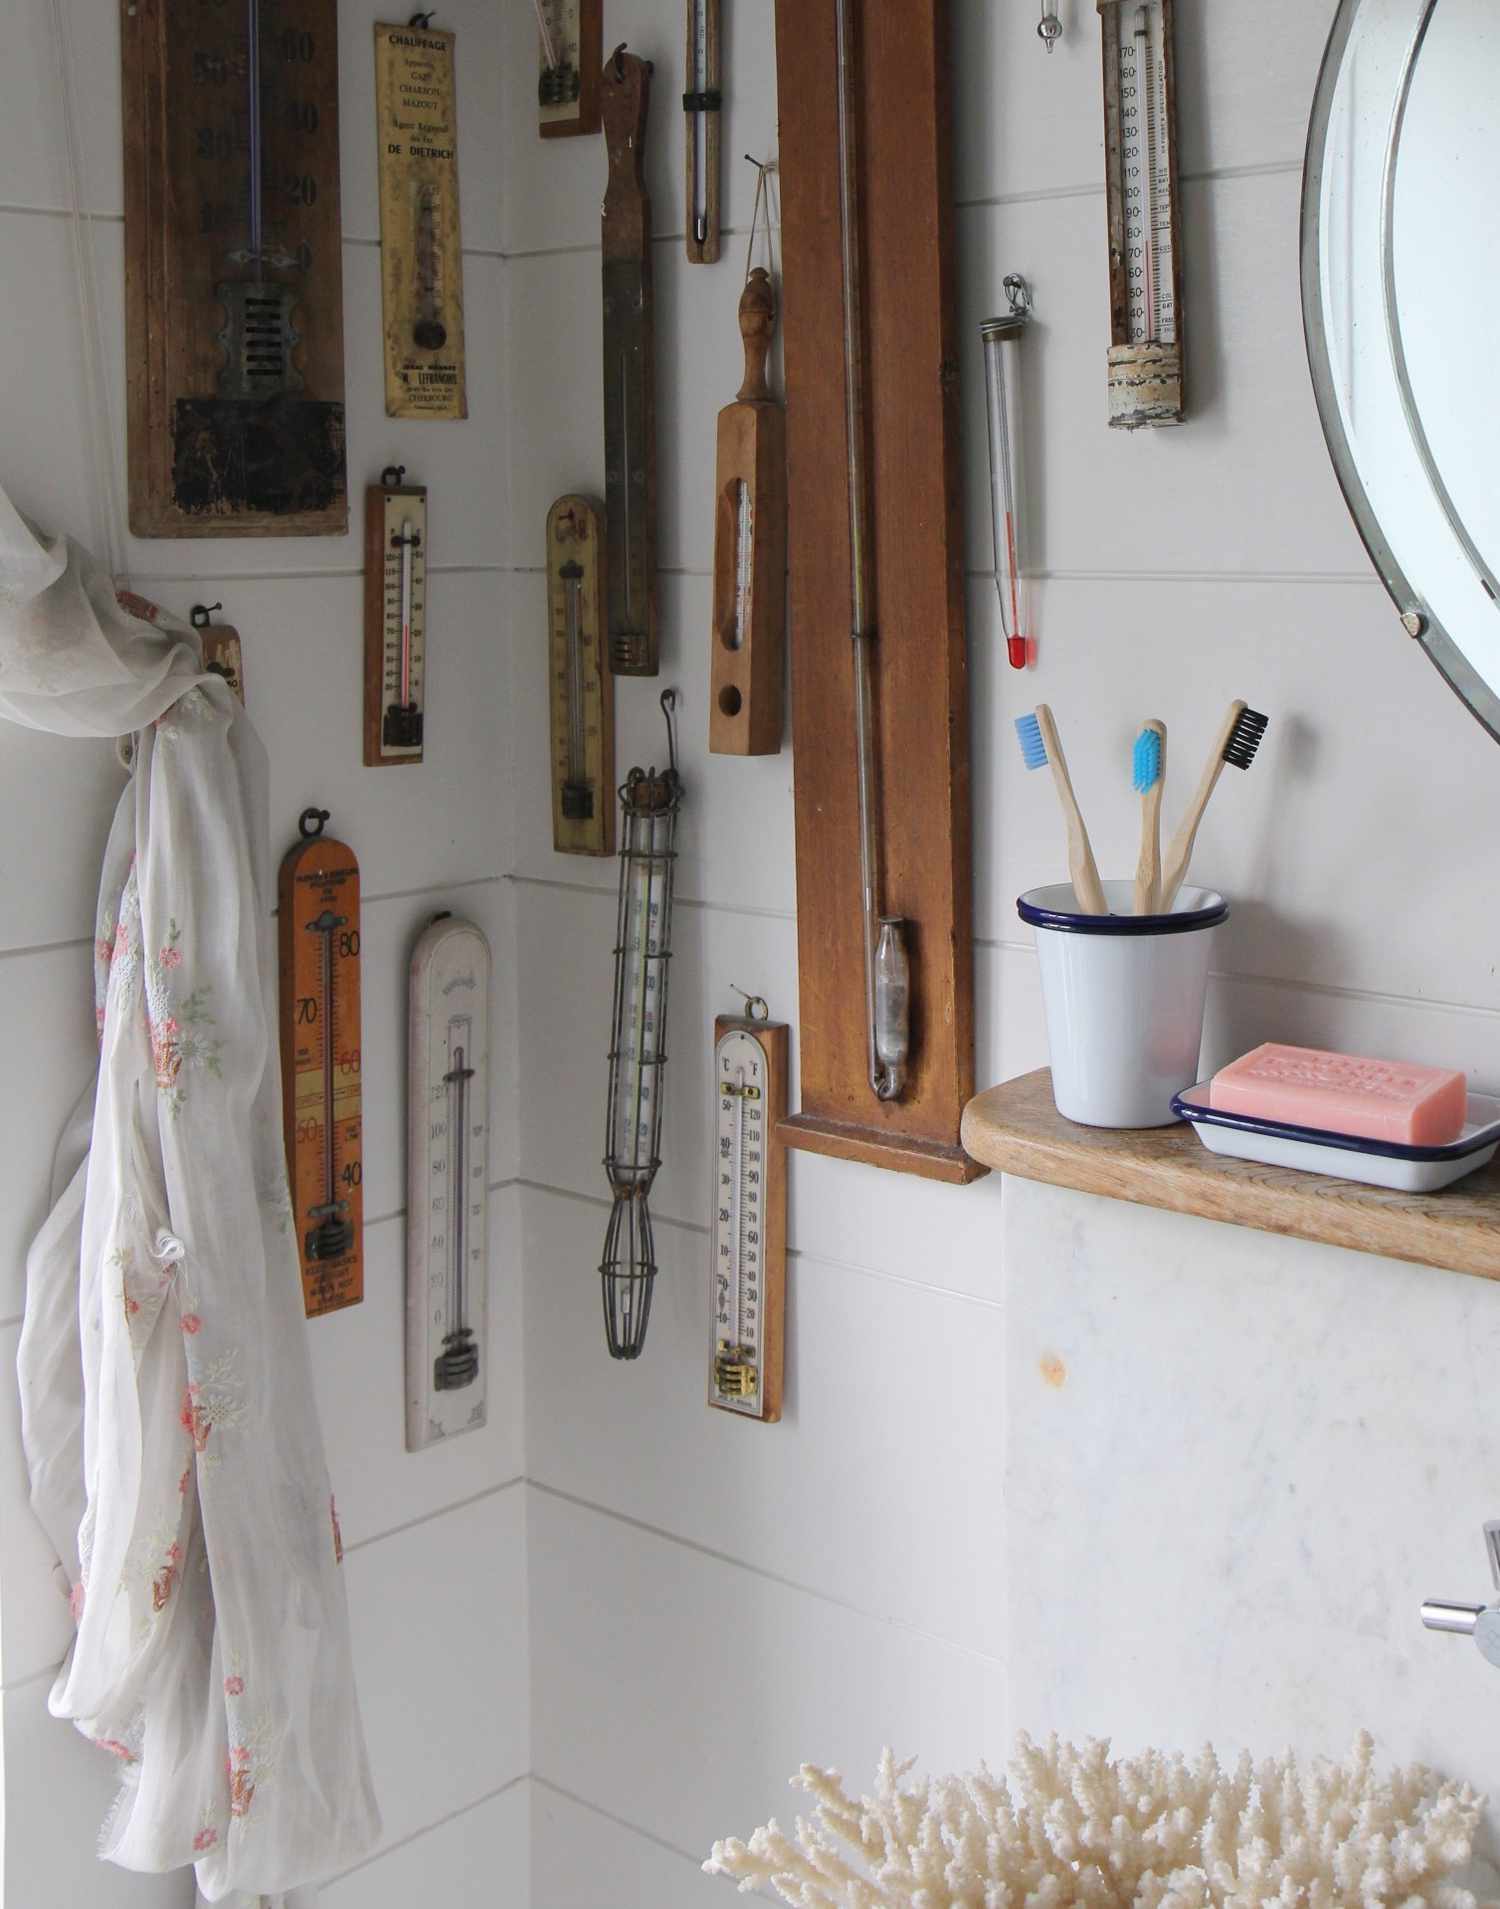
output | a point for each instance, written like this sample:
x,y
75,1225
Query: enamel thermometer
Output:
x,y
570,36
447,1202
421,251
318,932
703,103
395,619
629,372
649,802
749,1214
1145,241
582,690
746,716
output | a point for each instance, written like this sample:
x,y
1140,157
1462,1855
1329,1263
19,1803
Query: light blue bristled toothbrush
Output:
x,y
1148,772
1040,749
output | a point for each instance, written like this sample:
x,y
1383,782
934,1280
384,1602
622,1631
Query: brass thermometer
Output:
x,y
748,1277
1145,239
582,689
395,619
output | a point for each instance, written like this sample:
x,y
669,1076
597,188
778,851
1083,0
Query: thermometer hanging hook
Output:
x,y
757,1008
311,822
668,701
1019,294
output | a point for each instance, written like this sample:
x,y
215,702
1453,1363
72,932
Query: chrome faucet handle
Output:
x,y
1479,1621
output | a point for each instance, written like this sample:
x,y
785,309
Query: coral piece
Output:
x,y
1072,1829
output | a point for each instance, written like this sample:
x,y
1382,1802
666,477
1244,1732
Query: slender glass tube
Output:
x,y
1002,360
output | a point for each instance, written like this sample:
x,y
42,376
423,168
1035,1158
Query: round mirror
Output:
x,y
1400,243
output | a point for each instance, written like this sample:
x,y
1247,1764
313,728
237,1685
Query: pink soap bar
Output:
x,y
1341,1093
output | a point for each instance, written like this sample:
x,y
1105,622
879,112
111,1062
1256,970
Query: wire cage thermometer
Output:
x,y
649,803
1001,337
1145,241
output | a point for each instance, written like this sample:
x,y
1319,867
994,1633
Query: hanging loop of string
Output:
x,y
766,207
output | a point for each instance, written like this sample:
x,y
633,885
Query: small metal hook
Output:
x,y
392,475
422,19
200,613
310,823
1018,292
756,1008
619,61
668,704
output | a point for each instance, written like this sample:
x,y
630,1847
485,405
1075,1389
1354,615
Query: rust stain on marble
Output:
x,y
1053,1371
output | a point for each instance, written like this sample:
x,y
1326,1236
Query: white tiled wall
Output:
x,y
712,1603
435,1541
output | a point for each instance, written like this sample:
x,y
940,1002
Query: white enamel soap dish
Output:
x,y
1345,1156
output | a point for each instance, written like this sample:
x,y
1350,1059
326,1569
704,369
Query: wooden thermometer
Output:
x,y
1145,241
318,926
749,651
703,103
234,319
582,690
395,619
222,652
629,372
448,1170
571,41
749,1214
421,253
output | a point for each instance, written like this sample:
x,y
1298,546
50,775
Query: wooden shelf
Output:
x,y
1016,1128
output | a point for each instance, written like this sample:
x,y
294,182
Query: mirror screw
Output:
x,y
1414,623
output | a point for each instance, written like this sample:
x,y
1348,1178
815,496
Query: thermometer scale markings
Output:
x,y
395,620
1148,233
580,685
698,209
744,561
749,1218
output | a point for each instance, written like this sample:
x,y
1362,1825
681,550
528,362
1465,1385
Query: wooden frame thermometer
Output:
x,y
234,324
318,931
447,1202
703,104
748,1295
570,39
395,619
421,250
747,712
581,689
629,372
1145,238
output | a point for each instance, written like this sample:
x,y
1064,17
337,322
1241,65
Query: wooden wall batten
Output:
x,y
921,669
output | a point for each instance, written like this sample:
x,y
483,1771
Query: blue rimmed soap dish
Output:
x,y
1344,1156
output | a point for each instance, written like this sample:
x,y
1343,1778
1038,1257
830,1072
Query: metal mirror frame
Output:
x,y
1417,616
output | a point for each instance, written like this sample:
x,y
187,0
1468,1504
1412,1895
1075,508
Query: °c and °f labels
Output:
x,y
421,255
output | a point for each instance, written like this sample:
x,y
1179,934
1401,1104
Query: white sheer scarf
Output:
x,y
168,1414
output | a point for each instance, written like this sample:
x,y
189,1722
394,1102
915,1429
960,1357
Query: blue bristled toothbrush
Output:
x,y
1148,772
1041,748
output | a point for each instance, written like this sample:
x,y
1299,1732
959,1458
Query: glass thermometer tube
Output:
x,y
698,210
577,796
457,1365
744,561
1001,337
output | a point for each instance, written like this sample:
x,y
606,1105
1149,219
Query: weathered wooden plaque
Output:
x,y
421,253
234,314
901,97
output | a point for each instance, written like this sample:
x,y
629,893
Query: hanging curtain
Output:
x,y
175,1454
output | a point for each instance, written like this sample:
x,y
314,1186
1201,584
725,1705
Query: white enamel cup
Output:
x,y
1124,996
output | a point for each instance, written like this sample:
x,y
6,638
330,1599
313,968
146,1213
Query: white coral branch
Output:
x,y
1073,1829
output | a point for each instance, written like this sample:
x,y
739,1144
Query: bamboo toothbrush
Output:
x,y
1040,747
1148,772
1237,741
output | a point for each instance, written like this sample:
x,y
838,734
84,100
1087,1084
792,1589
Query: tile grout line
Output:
x,y
431,1517
759,1571
621,1822
428,1829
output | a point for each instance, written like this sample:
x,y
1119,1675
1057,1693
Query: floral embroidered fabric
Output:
x,y
168,1413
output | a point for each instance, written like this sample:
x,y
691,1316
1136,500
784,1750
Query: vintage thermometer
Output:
x,y
1145,240
749,1214
570,38
1001,338
222,651
421,251
233,276
629,372
582,689
649,802
395,619
318,929
746,715
703,103
448,1164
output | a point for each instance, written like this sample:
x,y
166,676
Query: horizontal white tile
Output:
x,y
681,1692
480,1856
33,148
1263,1455
58,1791
440,1651
359,1371
900,1375
577,1855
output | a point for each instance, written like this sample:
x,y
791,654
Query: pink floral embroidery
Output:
x,y
166,1578
116,1749
185,1480
75,1601
133,605
122,941
132,1306
194,1418
338,1536
205,1839
241,1782
190,1322
234,1686
171,957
